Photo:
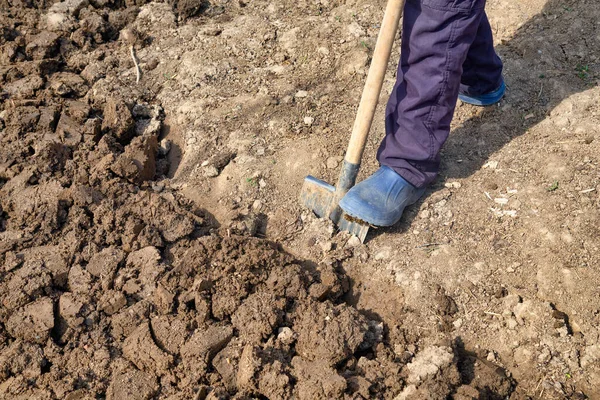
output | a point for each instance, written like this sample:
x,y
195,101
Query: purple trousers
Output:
x,y
447,48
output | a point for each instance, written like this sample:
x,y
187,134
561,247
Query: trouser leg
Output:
x,y
482,69
436,38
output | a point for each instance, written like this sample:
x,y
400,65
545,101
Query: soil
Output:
x,y
153,247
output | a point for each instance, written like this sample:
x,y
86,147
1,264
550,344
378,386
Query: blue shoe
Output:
x,y
485,99
381,198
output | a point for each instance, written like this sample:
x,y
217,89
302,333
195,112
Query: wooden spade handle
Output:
x,y
370,95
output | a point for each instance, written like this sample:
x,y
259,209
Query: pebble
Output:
x,y
383,254
158,187
285,335
262,183
491,356
425,214
453,185
326,246
301,94
440,204
210,171
458,323
308,121
354,241
491,164
323,50
511,323
332,162
165,146
355,29
257,205
511,301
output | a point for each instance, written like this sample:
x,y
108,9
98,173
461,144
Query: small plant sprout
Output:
x,y
553,187
130,37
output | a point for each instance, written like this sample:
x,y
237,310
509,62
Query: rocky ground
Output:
x,y
152,245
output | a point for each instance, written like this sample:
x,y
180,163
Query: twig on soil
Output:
x,y
538,385
429,245
138,71
492,313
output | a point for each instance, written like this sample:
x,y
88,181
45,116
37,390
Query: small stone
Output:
x,y
308,121
262,183
501,200
453,185
211,31
210,171
286,335
56,21
511,301
511,323
491,164
383,254
257,205
425,214
165,147
491,356
332,162
458,323
354,241
323,50
158,187
326,246
301,94
70,7
260,151
355,29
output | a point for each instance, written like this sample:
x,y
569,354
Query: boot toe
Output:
x,y
380,199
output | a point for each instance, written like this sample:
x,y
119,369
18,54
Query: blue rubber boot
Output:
x,y
485,99
381,198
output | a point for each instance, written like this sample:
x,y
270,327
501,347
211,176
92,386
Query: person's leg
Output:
x,y
482,69
436,38
481,81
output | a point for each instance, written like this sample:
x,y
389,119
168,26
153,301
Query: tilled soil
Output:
x,y
116,286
